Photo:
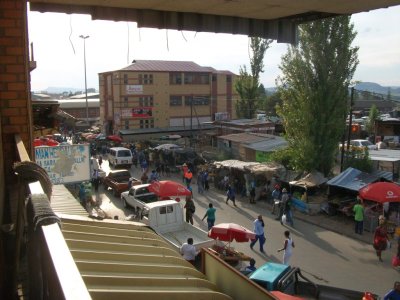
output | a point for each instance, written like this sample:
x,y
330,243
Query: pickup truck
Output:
x,y
289,280
118,181
138,196
166,219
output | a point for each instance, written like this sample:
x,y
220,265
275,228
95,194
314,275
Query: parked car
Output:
x,y
120,156
360,144
363,144
118,181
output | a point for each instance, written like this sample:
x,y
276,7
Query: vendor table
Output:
x,y
230,255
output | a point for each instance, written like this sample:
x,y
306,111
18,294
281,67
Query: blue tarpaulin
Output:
x,y
353,179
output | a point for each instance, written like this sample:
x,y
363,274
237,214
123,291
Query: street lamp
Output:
x,y
84,37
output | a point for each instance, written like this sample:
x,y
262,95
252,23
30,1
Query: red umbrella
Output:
x,y
37,142
168,188
51,142
114,138
228,232
381,192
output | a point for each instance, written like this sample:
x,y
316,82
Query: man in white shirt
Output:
x,y
189,251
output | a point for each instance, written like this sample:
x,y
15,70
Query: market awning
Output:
x,y
268,169
235,164
312,179
353,179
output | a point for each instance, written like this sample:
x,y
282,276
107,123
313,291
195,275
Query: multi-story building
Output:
x,y
164,94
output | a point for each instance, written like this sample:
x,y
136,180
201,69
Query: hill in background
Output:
x,y
364,86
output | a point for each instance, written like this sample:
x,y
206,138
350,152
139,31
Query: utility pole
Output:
x,y
84,65
191,121
349,131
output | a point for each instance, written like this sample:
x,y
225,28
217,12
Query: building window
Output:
x,y
204,78
197,100
214,78
228,78
151,123
125,78
141,124
189,78
197,78
175,100
175,78
146,101
126,101
146,78
126,124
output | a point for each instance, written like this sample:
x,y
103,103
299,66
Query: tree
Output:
x,y
272,101
247,84
314,88
373,116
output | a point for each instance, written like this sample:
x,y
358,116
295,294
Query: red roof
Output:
x,y
167,66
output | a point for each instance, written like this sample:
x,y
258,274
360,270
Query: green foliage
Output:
x,y
358,159
373,116
247,88
247,84
224,155
285,157
314,90
272,101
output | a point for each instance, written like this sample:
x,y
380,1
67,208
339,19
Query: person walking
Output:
x,y
188,177
184,171
287,248
154,176
288,211
205,180
276,198
188,251
380,237
358,210
258,228
210,214
230,195
200,183
190,209
253,192
282,204
100,160
95,179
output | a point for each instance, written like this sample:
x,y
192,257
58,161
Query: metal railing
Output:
x,y
52,271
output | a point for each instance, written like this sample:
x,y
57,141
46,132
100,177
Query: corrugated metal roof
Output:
x,y
384,155
126,260
62,201
269,145
352,179
166,66
244,122
247,137
383,174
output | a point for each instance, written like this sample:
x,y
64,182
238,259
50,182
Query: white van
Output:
x,y
120,156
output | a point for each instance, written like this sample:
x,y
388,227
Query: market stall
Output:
x,y
228,232
381,193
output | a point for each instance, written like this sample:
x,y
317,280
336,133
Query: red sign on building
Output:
x,y
142,112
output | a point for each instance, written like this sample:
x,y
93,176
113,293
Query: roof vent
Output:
x,y
134,61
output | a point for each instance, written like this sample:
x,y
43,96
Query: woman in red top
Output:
x,y
380,237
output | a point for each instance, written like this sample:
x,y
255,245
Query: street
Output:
x,y
325,257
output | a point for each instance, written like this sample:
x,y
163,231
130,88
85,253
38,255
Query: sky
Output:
x,y
59,51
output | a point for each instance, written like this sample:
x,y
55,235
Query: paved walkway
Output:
x,y
339,224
